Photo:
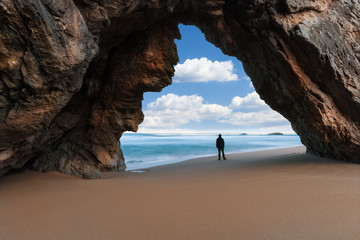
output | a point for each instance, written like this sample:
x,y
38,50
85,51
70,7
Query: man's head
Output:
x,y
219,135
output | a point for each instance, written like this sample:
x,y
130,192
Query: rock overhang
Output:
x,y
72,80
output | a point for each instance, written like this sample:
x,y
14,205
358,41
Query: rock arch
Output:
x,y
73,72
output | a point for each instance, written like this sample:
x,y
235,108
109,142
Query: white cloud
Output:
x,y
204,70
171,111
251,101
260,114
260,119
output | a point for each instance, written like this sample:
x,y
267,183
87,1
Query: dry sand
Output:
x,y
277,194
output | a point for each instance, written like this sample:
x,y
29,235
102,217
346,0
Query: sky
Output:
x,y
210,93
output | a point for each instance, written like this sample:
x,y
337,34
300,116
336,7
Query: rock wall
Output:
x,y
73,73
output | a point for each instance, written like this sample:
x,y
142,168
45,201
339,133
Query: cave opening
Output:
x,y
210,94
72,81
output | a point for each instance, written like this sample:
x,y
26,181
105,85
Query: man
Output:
x,y
220,144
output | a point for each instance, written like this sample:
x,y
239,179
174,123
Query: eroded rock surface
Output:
x,y
73,73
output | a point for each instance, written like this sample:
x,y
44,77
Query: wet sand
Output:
x,y
275,194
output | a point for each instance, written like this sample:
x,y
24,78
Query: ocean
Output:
x,y
150,150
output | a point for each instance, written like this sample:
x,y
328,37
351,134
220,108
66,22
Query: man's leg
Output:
x,y
219,153
223,154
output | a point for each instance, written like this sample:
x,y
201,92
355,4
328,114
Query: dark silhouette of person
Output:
x,y
220,144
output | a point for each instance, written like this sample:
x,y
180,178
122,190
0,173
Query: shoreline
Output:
x,y
270,194
212,156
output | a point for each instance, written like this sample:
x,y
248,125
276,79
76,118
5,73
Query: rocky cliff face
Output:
x,y
73,72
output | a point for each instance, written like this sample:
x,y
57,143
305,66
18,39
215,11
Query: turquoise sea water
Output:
x,y
149,150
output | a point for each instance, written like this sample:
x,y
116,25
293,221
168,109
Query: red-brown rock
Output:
x,y
73,73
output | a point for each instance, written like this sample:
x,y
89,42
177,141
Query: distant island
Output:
x,y
243,134
276,133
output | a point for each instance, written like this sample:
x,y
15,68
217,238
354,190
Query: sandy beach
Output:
x,y
275,194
